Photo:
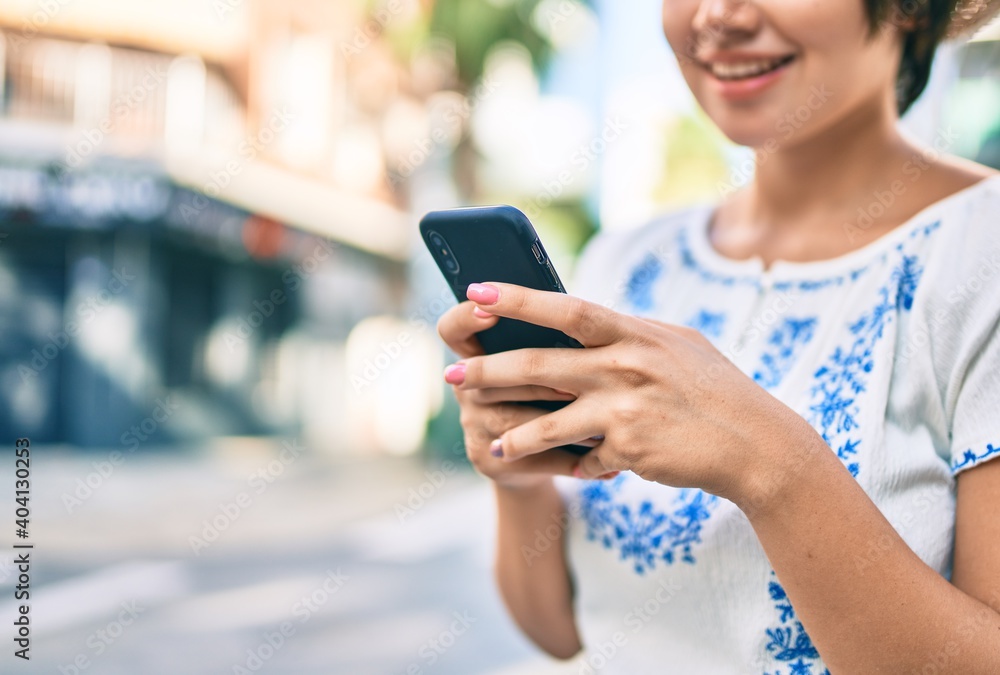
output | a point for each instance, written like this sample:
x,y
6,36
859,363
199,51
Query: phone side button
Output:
x,y
553,277
536,249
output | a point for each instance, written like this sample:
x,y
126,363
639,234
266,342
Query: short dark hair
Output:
x,y
924,24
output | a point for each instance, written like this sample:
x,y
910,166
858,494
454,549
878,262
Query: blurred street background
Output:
x,y
217,319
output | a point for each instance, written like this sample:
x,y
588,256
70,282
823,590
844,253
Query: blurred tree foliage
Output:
x,y
475,26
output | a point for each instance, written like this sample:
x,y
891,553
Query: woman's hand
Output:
x,y
487,412
671,408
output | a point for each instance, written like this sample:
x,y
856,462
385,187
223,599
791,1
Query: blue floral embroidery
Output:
x,y
789,641
813,284
906,278
639,288
784,346
643,535
844,375
839,382
709,324
690,262
970,458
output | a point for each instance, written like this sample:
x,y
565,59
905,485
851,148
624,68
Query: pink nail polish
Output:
x,y
483,294
481,313
455,374
577,473
496,448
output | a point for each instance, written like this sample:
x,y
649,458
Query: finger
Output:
x,y
483,424
568,426
594,465
553,462
562,369
589,323
528,392
459,325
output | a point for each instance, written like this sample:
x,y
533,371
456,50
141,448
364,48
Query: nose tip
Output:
x,y
722,20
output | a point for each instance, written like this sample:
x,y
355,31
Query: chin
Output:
x,y
753,128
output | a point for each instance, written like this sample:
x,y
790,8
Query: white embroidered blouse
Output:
x,y
891,352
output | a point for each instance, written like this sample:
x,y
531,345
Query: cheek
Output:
x,y
833,38
678,17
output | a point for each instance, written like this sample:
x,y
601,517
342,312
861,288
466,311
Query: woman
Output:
x,y
800,387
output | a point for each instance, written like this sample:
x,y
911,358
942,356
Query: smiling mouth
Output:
x,y
745,70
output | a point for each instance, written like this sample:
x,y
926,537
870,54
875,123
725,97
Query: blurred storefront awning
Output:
x,y
303,202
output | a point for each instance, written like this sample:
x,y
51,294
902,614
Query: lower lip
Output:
x,y
742,90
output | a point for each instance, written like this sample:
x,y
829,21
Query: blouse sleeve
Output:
x,y
975,431
966,322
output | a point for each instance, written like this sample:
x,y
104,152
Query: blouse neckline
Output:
x,y
851,263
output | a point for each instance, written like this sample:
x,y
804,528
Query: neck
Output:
x,y
834,169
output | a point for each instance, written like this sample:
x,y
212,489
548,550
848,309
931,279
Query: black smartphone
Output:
x,y
497,243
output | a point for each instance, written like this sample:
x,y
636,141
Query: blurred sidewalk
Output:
x,y
310,566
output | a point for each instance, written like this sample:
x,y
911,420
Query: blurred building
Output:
x,y
195,213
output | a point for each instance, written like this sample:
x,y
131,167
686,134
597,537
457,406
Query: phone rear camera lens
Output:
x,y
443,253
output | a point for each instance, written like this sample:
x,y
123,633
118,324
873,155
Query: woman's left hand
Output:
x,y
670,406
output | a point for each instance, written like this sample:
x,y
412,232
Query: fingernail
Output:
x,y
597,438
480,313
483,294
609,476
455,374
496,448
564,393
577,473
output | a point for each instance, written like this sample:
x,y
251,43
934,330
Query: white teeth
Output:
x,y
744,69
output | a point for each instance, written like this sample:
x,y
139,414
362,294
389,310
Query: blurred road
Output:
x,y
303,567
